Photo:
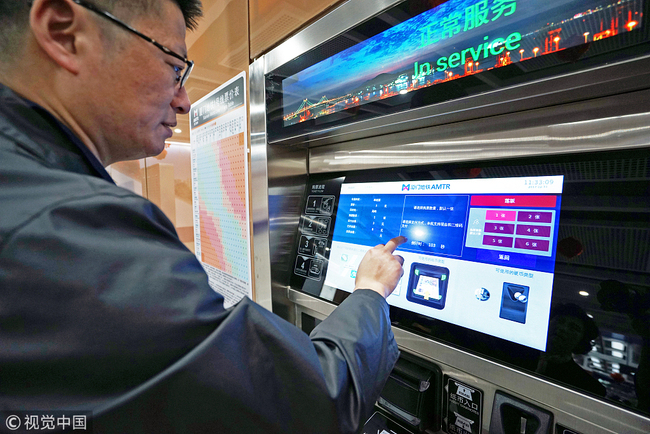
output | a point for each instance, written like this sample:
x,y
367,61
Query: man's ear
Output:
x,y
57,26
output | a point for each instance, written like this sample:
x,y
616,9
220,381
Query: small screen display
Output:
x,y
480,252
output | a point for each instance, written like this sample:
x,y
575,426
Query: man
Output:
x,y
101,306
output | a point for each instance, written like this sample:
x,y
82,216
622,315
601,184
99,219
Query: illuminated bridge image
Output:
x,y
578,30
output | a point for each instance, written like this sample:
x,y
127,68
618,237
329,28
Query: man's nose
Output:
x,y
181,102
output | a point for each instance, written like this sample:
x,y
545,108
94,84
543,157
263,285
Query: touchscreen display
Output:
x,y
480,252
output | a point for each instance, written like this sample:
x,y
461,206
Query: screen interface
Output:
x,y
457,39
480,252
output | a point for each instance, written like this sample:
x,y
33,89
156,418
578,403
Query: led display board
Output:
x,y
457,39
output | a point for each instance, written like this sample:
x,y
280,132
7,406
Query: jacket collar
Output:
x,y
39,133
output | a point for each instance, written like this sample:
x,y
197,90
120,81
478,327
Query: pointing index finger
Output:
x,y
395,243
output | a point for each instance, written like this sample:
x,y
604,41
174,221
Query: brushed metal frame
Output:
x,y
582,111
585,126
340,19
259,188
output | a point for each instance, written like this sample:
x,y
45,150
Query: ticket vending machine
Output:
x,y
509,141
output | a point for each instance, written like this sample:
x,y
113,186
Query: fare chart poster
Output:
x,y
220,189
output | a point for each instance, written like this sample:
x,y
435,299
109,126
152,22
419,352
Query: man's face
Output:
x,y
136,94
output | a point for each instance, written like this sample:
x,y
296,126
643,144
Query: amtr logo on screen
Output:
x,y
420,187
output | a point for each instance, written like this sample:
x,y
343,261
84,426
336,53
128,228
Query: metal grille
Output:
x,y
628,169
609,247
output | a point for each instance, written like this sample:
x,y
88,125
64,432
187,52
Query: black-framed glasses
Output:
x,y
182,73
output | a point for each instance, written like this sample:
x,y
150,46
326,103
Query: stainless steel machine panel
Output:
x,y
584,120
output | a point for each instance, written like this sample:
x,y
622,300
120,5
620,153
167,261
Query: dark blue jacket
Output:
x,y
102,308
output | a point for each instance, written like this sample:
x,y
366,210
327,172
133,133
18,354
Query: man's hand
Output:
x,y
379,269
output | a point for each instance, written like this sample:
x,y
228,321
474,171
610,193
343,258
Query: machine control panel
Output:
x,y
315,230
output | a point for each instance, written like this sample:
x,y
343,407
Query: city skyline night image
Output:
x,y
453,40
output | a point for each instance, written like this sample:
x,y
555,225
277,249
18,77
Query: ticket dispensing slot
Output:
x,y
412,395
514,416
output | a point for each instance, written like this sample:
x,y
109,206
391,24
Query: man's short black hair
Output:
x,y
14,19
191,9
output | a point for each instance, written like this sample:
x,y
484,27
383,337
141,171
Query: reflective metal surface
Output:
x,y
259,189
596,125
287,168
278,182
337,21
